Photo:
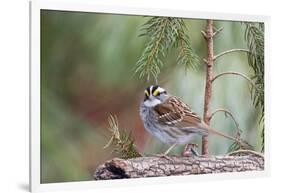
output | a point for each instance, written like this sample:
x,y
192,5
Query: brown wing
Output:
x,y
176,113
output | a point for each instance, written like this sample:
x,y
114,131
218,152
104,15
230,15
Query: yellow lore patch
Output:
x,y
155,92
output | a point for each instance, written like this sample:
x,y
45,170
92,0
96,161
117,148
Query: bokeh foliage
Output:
x,y
87,73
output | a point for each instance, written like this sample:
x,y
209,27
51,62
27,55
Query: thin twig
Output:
x,y
231,115
245,151
204,34
217,31
113,128
230,51
234,73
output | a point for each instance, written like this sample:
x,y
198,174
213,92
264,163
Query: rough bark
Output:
x,y
167,166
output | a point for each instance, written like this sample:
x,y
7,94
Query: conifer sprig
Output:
x,y
254,36
164,33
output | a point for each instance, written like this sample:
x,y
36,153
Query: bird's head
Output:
x,y
154,95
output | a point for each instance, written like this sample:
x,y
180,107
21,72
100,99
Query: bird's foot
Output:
x,y
165,154
189,150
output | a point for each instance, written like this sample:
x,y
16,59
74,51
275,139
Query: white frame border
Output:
x,y
97,7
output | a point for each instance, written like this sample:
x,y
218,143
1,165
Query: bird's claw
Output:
x,y
189,150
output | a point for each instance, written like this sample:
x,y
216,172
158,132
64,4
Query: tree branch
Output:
x,y
159,166
229,113
217,31
234,73
209,76
204,34
230,51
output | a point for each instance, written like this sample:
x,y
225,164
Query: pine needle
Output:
x,y
163,34
254,36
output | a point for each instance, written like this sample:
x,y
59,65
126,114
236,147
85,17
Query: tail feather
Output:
x,y
206,130
243,144
213,131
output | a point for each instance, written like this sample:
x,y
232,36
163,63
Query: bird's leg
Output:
x,y
189,150
165,154
170,148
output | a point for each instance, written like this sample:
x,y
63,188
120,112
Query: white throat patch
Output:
x,y
152,103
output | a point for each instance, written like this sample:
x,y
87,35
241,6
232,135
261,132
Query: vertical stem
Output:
x,y
209,76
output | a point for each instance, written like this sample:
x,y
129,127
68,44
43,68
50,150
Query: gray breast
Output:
x,y
157,130
166,134
148,117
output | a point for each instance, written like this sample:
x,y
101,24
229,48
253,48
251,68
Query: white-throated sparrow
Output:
x,y
170,120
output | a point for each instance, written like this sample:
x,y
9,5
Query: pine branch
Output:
x,y
161,37
186,55
254,36
164,33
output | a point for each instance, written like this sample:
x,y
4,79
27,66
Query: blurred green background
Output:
x,y
87,63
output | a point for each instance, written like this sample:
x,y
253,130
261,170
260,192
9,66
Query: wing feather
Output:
x,y
176,113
